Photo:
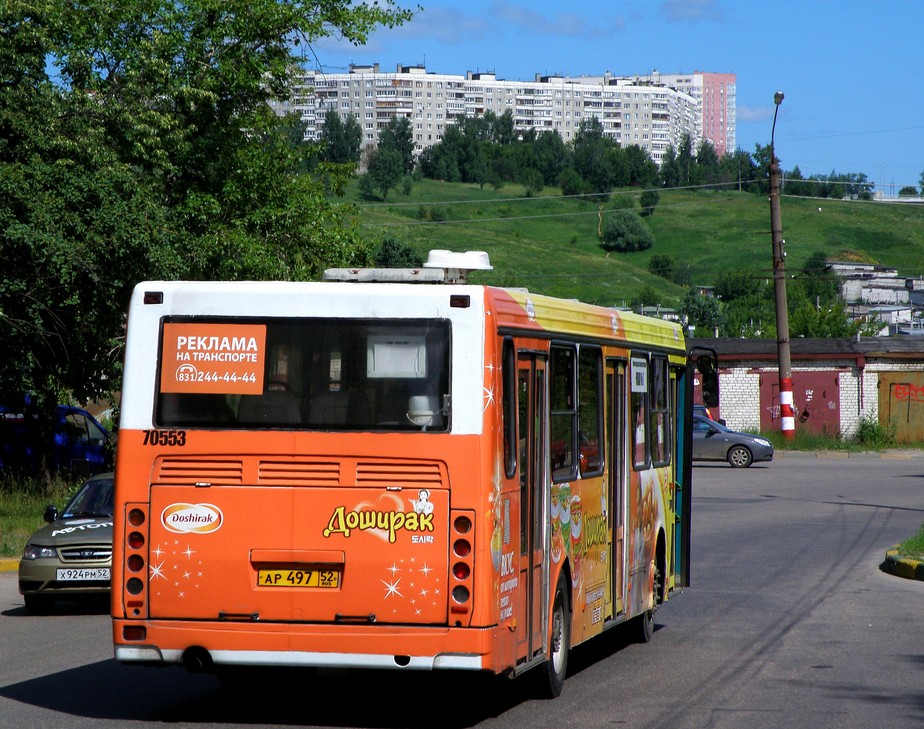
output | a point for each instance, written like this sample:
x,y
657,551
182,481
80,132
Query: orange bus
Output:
x,y
395,469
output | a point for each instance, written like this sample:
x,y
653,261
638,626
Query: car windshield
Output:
x,y
94,498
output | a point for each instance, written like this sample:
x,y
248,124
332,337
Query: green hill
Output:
x,y
550,244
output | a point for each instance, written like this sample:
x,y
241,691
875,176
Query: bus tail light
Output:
x,y
134,586
463,552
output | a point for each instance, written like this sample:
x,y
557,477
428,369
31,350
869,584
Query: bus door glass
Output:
x,y
616,409
532,416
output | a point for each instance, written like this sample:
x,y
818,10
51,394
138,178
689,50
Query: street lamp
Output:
x,y
787,415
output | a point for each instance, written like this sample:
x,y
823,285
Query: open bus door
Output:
x,y
534,504
702,364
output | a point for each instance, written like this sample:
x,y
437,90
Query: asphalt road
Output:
x,y
789,623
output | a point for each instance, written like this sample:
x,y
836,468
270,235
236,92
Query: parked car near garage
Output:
x,y
712,441
71,556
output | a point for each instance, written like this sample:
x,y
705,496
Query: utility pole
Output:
x,y
787,415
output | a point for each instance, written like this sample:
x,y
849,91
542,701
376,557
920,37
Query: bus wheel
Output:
x,y
644,623
557,665
644,626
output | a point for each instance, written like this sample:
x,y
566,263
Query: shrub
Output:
x,y
624,232
872,434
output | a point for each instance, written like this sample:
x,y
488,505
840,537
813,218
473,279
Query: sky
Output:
x,y
849,69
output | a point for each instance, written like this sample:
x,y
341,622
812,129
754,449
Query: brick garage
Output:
x,y
836,383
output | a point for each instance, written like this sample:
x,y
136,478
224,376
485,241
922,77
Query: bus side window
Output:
x,y
564,411
590,395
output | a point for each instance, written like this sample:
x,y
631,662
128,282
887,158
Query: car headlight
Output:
x,y
761,441
37,551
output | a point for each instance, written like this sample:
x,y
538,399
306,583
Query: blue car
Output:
x,y
79,444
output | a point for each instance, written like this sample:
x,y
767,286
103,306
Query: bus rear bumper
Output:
x,y
201,649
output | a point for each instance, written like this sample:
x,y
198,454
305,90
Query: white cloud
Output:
x,y
685,11
563,24
752,114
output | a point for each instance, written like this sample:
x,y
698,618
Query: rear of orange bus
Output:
x,y
304,478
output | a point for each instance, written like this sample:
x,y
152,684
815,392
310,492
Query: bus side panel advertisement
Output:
x,y
213,358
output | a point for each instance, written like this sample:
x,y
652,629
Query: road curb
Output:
x,y
894,455
910,569
9,565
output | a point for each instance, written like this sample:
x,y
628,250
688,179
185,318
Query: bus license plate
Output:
x,y
74,574
299,578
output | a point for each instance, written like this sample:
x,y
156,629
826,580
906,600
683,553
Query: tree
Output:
x,y
503,128
736,283
340,141
153,154
551,155
707,163
670,169
593,157
624,232
662,266
646,297
385,171
570,182
531,179
740,168
649,199
391,253
643,172
700,311
398,135
818,282
686,161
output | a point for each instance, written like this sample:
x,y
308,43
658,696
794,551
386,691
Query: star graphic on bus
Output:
x,y
391,588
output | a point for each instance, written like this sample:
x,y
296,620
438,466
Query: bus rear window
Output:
x,y
321,374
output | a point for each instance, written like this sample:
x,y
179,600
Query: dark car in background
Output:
x,y
71,556
712,441
78,443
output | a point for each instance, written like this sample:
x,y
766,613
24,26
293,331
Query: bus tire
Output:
x,y
644,623
644,626
560,640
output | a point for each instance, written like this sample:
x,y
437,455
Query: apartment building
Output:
x,y
651,116
715,97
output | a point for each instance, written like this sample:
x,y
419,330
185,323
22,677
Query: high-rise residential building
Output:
x,y
631,110
716,102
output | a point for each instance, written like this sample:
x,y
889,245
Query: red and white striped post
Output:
x,y
787,414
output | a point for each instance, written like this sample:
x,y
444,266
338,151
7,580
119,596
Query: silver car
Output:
x,y
71,556
712,441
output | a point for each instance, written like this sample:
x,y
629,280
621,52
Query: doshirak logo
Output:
x,y
192,518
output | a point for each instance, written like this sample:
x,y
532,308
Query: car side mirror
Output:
x,y
51,513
